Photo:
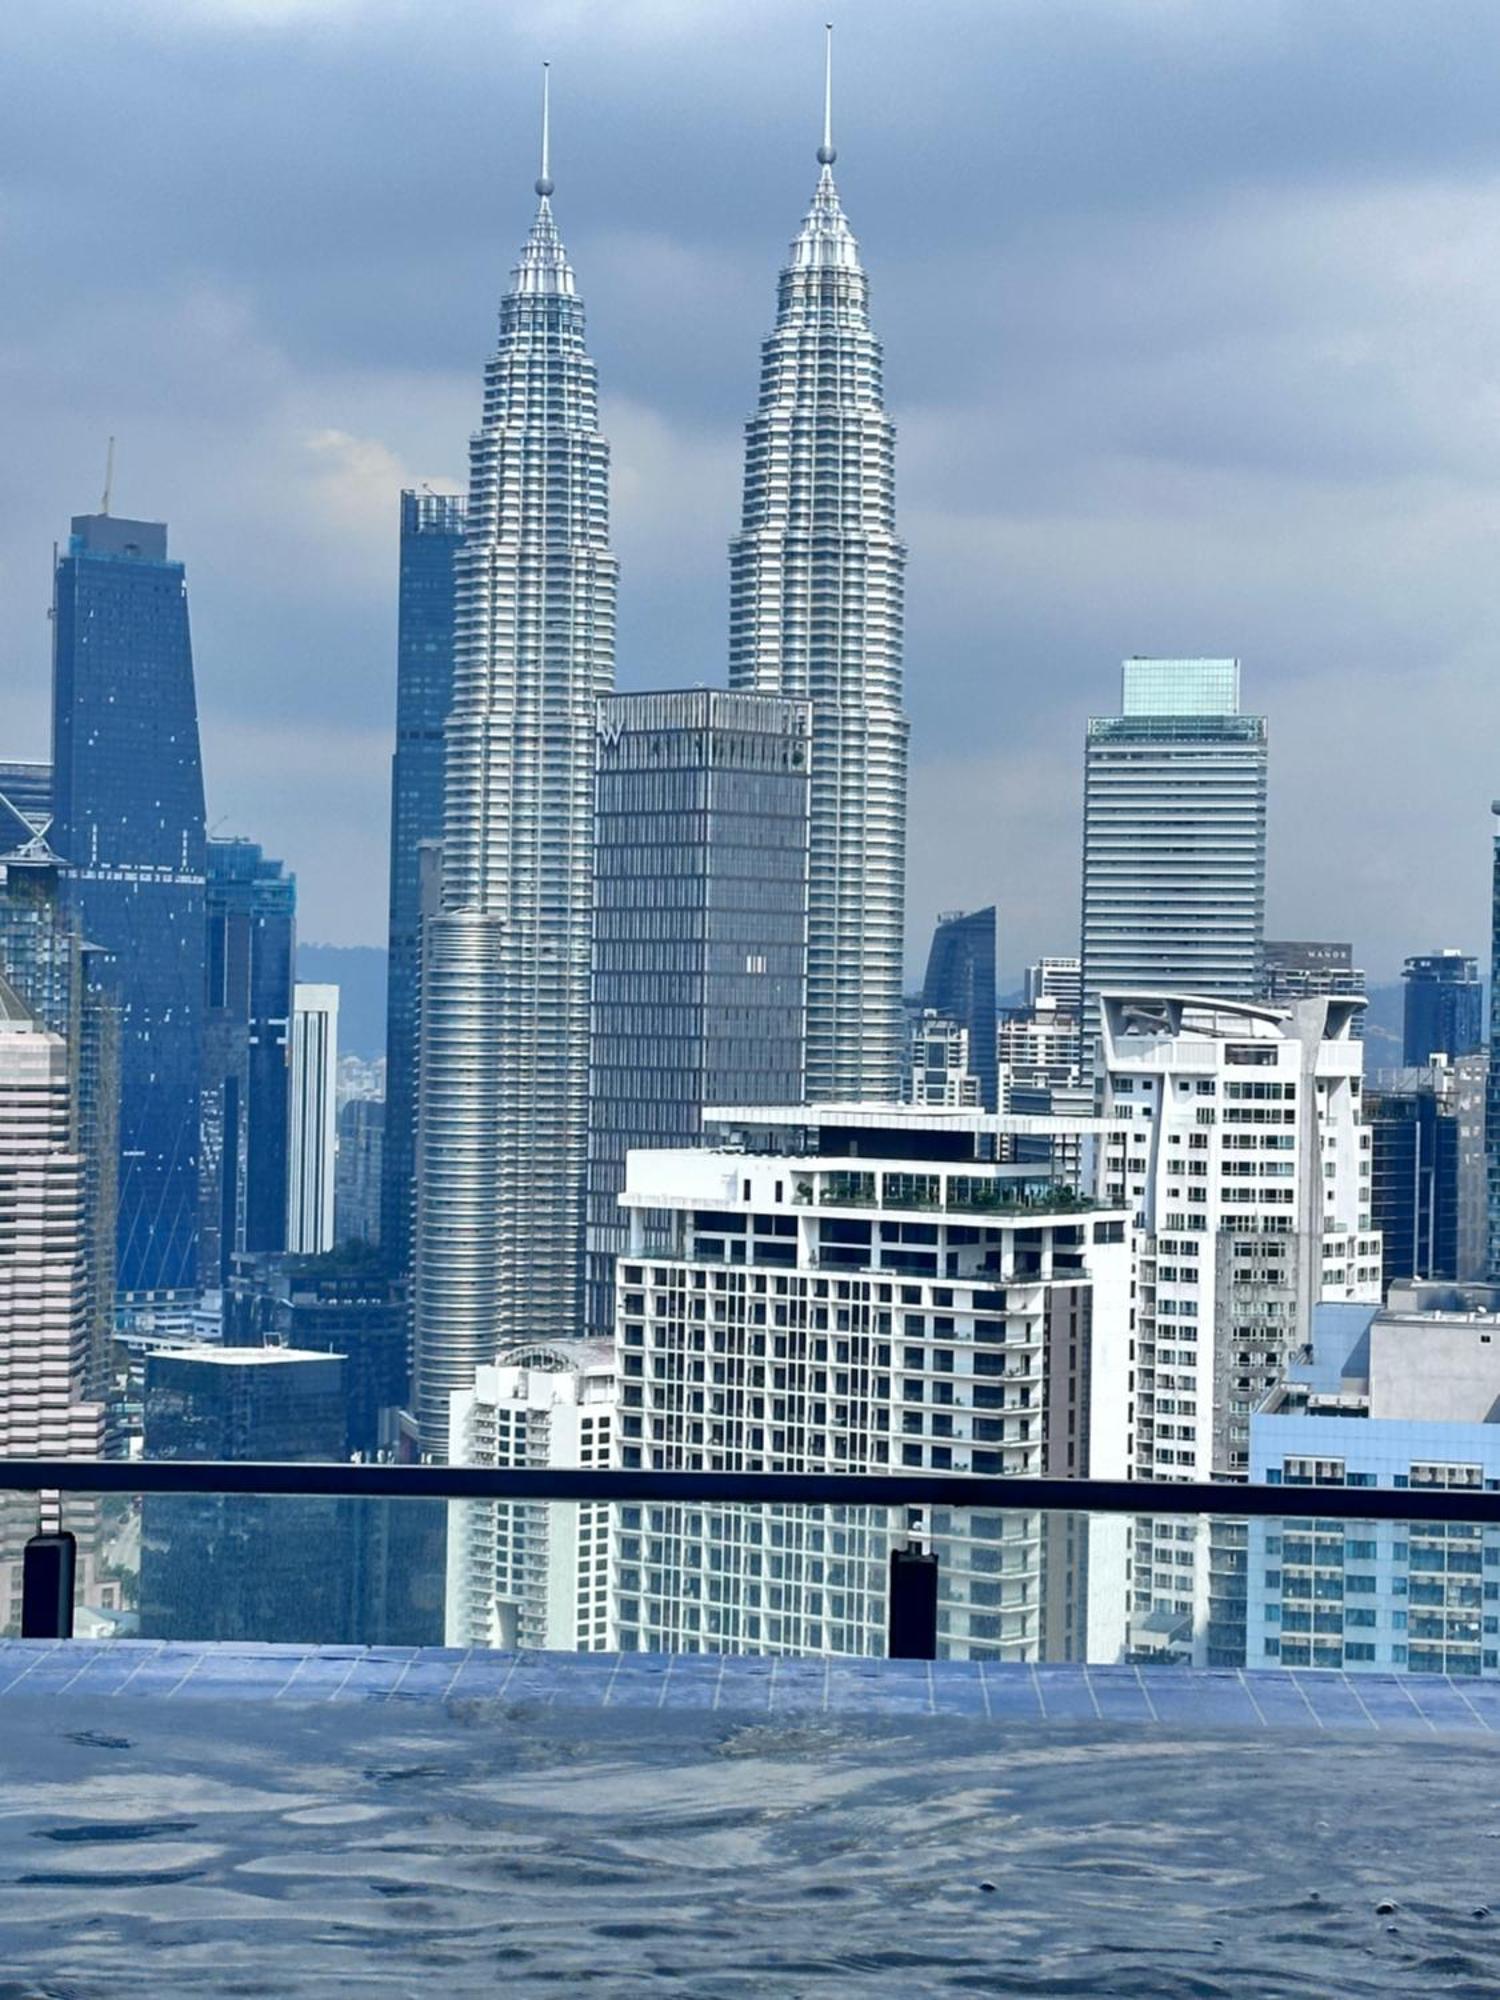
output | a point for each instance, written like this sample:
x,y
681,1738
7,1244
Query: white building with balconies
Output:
x,y
857,1288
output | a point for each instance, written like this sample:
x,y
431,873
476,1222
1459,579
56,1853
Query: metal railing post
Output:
x,y
47,1571
911,1622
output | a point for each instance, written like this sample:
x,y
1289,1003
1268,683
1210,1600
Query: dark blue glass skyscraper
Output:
x,y
1444,1010
432,526
128,806
252,921
960,985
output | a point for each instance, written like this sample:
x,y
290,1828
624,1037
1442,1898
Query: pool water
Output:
x,y
292,1847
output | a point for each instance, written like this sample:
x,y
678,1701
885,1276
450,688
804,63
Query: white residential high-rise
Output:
x,y
504,1033
937,1071
816,612
1059,980
1174,838
853,1288
532,1573
312,1151
1239,1149
43,1278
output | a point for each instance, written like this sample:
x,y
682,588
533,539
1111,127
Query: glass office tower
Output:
x,y
1443,1012
252,924
700,931
1174,838
432,527
128,803
816,607
960,986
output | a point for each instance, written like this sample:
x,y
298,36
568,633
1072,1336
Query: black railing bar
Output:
x,y
299,1479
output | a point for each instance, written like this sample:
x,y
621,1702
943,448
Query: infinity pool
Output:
x,y
261,1823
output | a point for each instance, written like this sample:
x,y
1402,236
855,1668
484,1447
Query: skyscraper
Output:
x,y
960,986
128,801
1443,1014
313,1138
1307,968
43,1273
816,612
432,526
1174,838
252,920
534,653
700,930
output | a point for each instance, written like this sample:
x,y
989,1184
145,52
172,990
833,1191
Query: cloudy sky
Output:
x,y
1191,312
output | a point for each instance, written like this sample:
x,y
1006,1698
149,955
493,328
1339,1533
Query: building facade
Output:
x,y
127,795
816,609
313,1137
1418,1149
251,904
1443,1007
44,1279
939,1071
1174,838
358,1175
700,930
859,1289
534,655
1241,1154
960,985
1399,1396
1307,969
523,1573
432,527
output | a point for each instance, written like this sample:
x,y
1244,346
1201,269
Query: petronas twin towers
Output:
x,y
816,612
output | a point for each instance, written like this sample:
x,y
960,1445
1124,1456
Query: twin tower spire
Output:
x,y
815,613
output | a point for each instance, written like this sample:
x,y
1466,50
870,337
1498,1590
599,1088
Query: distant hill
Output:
x,y
358,971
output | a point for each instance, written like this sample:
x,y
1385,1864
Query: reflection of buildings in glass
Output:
x,y
858,1289
532,1574
1238,1146
128,802
1400,1395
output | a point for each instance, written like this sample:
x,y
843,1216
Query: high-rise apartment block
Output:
x,y
503,1113
127,794
960,986
858,1289
1444,1007
532,1573
432,527
313,1142
251,905
1058,979
816,613
700,930
1174,838
1240,1152
44,1280
1402,1395
939,1071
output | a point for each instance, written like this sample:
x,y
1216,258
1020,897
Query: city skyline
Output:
x,y
1185,536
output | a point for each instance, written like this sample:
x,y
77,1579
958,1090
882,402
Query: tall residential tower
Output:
x,y
816,612
503,1094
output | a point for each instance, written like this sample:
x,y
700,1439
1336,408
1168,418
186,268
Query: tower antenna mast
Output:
x,y
109,477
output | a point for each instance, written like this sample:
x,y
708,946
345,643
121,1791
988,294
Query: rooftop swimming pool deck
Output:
x,y
287,1821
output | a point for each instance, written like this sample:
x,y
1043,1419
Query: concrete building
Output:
x,y
1240,1154
532,1574
1307,969
313,1147
1174,838
1057,979
857,1288
939,1070
700,930
1407,1395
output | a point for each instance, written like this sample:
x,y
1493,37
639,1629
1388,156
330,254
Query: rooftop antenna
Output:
x,y
109,477
826,153
544,179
